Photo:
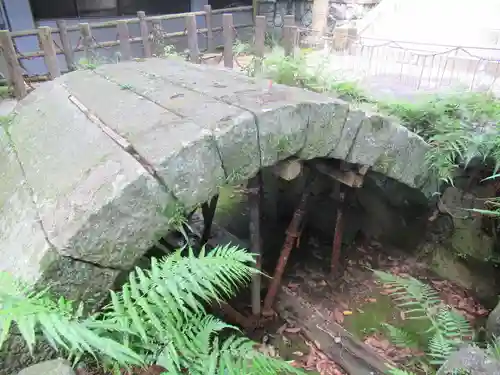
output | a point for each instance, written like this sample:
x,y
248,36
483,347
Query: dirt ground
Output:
x,y
356,300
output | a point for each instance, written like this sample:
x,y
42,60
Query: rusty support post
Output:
x,y
255,203
235,317
208,212
339,229
292,235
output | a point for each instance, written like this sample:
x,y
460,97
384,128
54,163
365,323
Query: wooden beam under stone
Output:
x,y
288,169
347,177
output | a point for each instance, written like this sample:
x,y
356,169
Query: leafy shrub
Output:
x,y
157,318
459,127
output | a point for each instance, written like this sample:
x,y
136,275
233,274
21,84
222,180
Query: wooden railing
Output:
x,y
49,50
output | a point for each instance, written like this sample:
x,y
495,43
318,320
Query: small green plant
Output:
x,y
158,317
447,329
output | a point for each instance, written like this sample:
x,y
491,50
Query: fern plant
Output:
x,y
418,301
158,317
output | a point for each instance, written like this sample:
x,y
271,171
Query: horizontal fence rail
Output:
x,y
151,38
403,65
408,66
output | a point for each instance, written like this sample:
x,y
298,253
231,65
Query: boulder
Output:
x,y
468,238
475,276
53,367
470,360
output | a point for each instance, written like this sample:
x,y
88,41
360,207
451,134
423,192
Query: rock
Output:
x,y
468,238
475,276
52,367
493,323
391,212
472,360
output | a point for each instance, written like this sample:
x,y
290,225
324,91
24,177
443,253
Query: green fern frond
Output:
x,y
453,325
399,337
415,299
60,323
449,329
440,348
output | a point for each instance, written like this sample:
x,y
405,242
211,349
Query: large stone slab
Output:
x,y
230,130
155,119
96,202
285,117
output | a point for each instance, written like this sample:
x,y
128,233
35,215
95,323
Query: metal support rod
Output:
x,y
208,212
234,316
255,204
292,235
339,229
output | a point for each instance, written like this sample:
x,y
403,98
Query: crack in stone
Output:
x,y
121,141
146,97
342,128
93,264
358,130
220,99
29,188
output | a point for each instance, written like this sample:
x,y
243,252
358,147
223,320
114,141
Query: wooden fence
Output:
x,y
49,50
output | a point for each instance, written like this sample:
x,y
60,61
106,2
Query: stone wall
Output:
x,y
341,11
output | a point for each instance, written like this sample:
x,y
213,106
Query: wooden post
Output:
x,y
49,49
15,72
157,43
208,211
320,12
259,42
192,35
254,202
124,37
289,34
228,33
87,41
146,44
66,44
210,34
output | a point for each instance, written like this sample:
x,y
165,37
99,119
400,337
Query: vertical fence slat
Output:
x,y
66,44
49,49
228,34
157,43
209,24
15,71
259,41
192,35
124,37
146,44
289,34
87,41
